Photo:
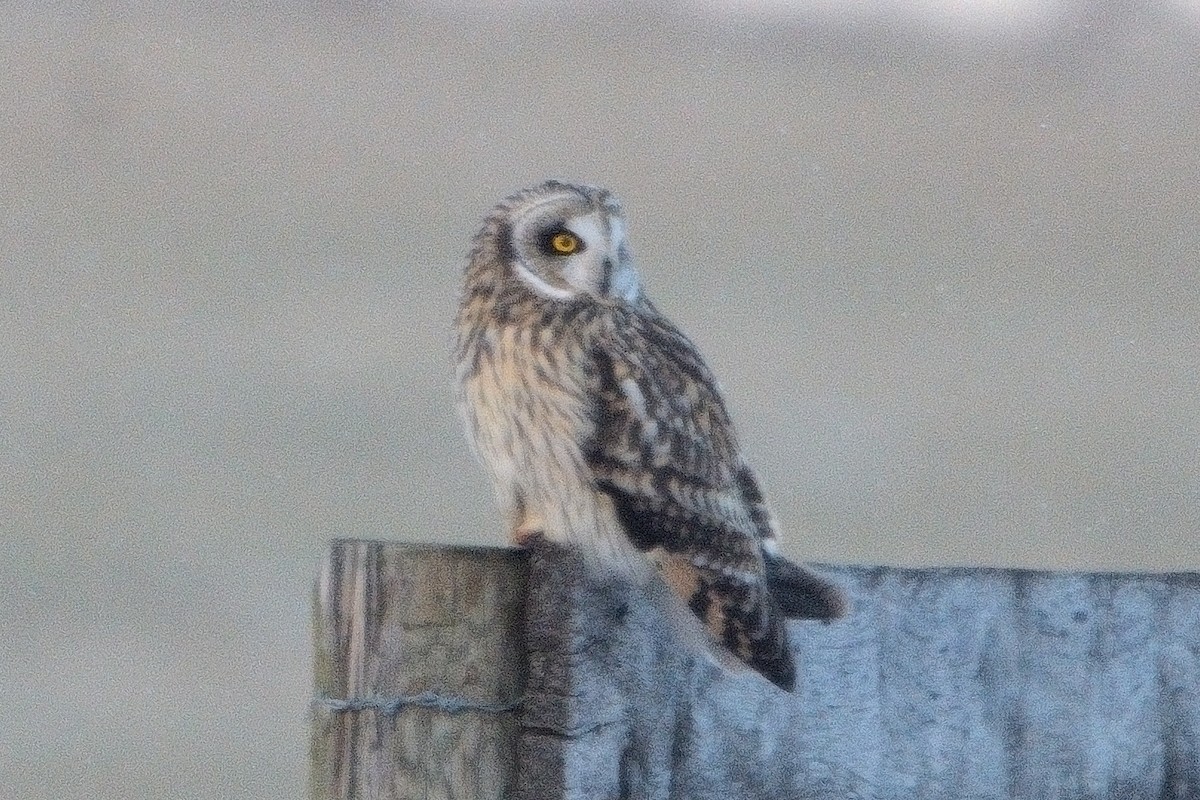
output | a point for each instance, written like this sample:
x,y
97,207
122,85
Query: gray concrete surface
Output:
x,y
945,684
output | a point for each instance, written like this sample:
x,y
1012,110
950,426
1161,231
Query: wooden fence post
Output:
x,y
943,684
419,665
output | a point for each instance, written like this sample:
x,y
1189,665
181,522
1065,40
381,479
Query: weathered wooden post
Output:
x,y
419,668
944,684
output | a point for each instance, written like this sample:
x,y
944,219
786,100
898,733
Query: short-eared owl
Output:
x,y
600,425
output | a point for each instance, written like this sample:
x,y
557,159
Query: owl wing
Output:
x,y
664,451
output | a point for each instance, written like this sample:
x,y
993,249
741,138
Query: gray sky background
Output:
x,y
945,265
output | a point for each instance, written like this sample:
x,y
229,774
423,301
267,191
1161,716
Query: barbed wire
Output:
x,y
450,704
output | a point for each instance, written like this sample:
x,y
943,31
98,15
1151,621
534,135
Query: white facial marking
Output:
x,y
618,233
625,285
540,286
590,229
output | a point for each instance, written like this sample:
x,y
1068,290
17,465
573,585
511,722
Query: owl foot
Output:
x,y
524,534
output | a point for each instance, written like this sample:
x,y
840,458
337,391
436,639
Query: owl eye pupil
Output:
x,y
564,242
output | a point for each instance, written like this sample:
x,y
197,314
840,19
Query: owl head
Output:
x,y
561,241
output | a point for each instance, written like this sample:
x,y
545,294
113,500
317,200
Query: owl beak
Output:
x,y
621,278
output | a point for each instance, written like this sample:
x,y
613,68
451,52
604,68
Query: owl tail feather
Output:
x,y
740,616
802,593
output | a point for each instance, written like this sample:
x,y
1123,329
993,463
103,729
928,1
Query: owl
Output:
x,y
602,428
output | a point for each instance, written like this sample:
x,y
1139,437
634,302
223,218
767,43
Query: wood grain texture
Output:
x,y
944,683
399,620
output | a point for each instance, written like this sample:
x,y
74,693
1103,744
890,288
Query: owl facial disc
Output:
x,y
570,240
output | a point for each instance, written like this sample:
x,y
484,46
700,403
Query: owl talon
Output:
x,y
521,537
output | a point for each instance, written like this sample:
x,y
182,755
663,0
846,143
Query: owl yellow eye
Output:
x,y
564,243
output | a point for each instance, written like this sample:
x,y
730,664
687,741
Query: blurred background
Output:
x,y
943,256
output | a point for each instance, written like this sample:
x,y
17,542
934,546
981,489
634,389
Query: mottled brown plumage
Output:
x,y
601,426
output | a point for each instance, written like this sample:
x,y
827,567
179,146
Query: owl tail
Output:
x,y
802,593
741,616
